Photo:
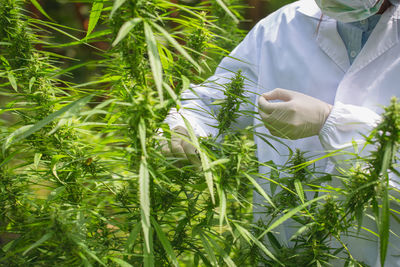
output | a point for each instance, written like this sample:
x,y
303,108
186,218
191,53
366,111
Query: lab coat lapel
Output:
x,y
382,38
357,82
332,44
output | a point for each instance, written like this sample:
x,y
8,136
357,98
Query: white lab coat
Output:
x,y
295,49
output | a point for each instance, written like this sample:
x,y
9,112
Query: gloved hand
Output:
x,y
181,149
298,116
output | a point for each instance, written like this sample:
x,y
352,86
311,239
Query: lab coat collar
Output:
x,y
327,36
384,36
332,44
396,13
311,9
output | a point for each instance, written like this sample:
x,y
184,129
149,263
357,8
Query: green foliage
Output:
x,y
83,181
228,112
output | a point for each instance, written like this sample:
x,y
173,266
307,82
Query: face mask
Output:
x,y
349,10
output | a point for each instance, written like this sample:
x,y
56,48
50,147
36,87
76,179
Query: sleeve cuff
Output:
x,y
346,124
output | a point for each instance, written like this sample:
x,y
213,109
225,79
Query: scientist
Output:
x,y
338,62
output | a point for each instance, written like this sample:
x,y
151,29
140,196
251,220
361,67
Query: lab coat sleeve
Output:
x,y
197,102
345,125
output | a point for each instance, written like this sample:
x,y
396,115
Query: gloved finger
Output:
x,y
278,132
165,148
279,94
176,141
188,148
283,132
280,127
264,116
276,118
269,107
176,147
275,131
274,123
268,121
191,153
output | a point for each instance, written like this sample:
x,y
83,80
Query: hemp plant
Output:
x,y
164,213
322,212
369,182
83,181
41,151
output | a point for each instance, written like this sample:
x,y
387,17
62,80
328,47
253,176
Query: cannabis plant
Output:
x,y
83,181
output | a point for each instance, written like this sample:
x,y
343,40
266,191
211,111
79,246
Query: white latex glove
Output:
x,y
181,149
298,116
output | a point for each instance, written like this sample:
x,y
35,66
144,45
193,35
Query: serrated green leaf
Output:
x,y
39,242
299,190
39,7
209,250
222,205
13,81
219,162
142,136
248,236
90,253
121,262
176,45
51,26
165,61
144,193
55,193
36,160
386,161
8,158
5,62
260,190
165,242
172,94
301,230
155,62
222,4
185,83
148,255
355,146
289,214
229,262
31,83
205,162
384,227
95,13
359,214
9,245
117,4
11,138
274,242
86,262
27,130
125,29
